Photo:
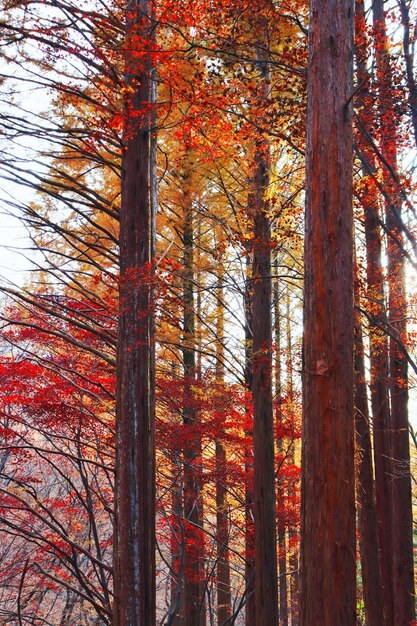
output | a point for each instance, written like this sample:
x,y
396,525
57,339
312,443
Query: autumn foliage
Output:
x,y
157,379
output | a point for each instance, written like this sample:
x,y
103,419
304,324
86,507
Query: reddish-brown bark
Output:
x,y
134,535
402,520
365,495
380,408
328,563
378,341
266,579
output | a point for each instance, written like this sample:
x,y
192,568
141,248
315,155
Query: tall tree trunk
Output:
x,y
266,581
177,553
194,558
224,597
328,563
402,520
176,609
134,532
365,490
282,543
249,535
367,521
293,556
378,340
380,408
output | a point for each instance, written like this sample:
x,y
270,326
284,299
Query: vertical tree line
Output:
x,y
205,378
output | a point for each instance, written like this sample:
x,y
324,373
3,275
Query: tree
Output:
x,y
134,535
402,518
328,571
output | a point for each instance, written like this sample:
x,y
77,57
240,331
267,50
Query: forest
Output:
x,y
208,367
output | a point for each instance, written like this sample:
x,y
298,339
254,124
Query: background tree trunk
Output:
x,y
365,490
282,543
402,519
194,557
249,537
294,555
224,597
266,580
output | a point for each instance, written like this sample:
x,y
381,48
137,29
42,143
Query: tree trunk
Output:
x,y
402,520
293,556
177,553
328,563
377,340
282,544
134,532
266,581
194,557
249,534
224,597
365,493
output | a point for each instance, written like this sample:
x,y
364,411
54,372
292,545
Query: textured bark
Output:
x,y
365,494
266,581
402,520
328,567
134,533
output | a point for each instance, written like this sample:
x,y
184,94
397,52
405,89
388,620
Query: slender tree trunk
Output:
x,y
134,533
194,558
293,556
365,494
380,409
282,543
266,581
328,563
408,51
378,340
224,597
177,553
177,536
249,534
402,520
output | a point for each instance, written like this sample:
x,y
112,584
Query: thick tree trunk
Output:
x,y
266,581
402,520
328,563
134,533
